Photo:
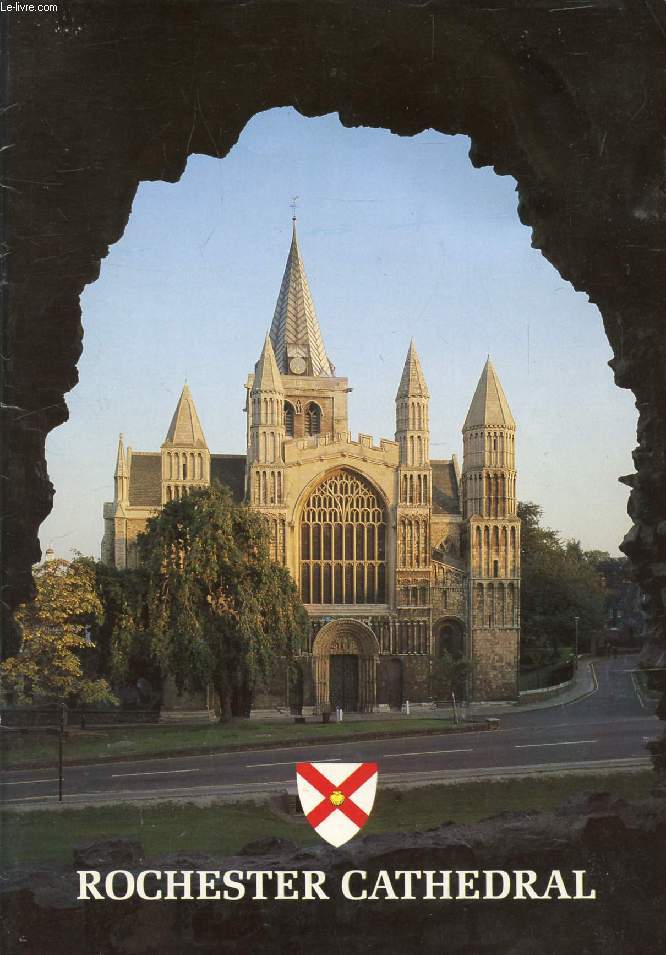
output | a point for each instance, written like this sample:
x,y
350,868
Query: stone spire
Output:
x,y
266,407
413,381
185,430
489,405
121,462
412,426
121,474
295,333
266,373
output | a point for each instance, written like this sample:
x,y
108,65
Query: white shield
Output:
x,y
337,798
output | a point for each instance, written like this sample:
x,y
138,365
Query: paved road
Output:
x,y
609,728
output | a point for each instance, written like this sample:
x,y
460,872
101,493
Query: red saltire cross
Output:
x,y
347,787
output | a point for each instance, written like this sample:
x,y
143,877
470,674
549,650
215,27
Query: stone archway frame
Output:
x,y
346,635
532,91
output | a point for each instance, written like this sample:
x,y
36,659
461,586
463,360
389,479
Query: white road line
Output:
x,y
156,772
28,782
215,789
637,690
292,762
566,742
425,752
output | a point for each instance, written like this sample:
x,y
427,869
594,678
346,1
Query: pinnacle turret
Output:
x,y
295,333
412,383
266,373
185,430
412,426
121,460
121,473
489,405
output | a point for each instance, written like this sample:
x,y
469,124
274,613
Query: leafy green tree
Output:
x,y
54,638
559,582
220,610
123,644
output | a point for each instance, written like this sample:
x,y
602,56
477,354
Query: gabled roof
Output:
x,y
145,485
412,383
185,430
295,331
489,405
266,372
229,469
445,487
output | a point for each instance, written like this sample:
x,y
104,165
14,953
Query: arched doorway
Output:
x,y
345,654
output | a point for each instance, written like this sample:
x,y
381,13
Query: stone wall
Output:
x,y
495,662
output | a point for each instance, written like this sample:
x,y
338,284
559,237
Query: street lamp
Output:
x,y
576,619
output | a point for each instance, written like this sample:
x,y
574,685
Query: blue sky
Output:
x,y
399,237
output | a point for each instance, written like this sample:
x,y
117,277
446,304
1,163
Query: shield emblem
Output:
x,y
337,798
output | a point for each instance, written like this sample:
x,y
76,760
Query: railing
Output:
x,y
37,717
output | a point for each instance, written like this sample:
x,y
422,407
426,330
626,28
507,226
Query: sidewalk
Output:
x,y
583,684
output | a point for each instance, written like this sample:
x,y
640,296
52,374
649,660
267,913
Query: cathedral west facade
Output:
x,y
398,557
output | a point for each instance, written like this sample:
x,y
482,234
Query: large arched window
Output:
x,y
288,419
312,419
343,542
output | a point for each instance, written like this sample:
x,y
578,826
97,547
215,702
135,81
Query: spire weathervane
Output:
x,y
293,208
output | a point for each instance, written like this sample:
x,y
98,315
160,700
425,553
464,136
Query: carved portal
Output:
x,y
345,638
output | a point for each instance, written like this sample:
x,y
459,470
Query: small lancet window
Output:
x,y
312,419
289,419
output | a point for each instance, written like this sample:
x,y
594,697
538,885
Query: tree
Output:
x,y
559,583
220,611
449,674
53,638
123,645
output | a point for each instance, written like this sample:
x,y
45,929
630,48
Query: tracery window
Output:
x,y
312,419
343,542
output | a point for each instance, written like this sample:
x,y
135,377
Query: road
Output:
x,y
607,729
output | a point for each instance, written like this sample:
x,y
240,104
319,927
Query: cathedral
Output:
x,y
400,559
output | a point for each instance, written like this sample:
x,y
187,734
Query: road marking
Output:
x,y
150,795
155,772
564,742
425,752
579,699
637,689
292,762
28,782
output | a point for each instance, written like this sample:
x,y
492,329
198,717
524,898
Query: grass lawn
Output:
x,y
222,829
37,747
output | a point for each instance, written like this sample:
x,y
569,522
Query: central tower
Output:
x,y
315,399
